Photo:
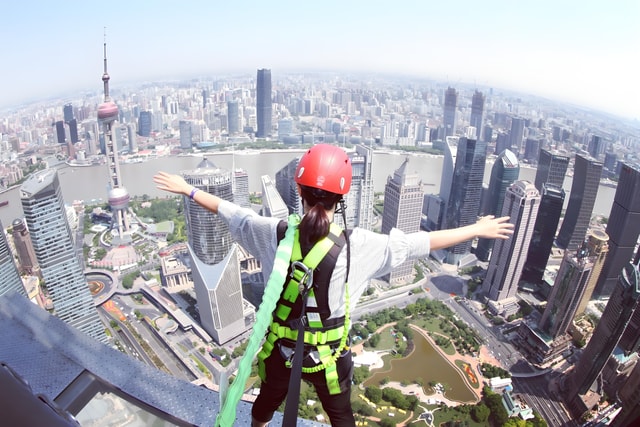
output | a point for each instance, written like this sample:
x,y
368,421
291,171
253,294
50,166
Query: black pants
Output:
x,y
273,391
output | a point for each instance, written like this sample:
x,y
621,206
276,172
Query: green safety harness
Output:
x,y
307,329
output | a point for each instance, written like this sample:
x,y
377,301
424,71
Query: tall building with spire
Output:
x,y
402,209
582,197
623,229
463,204
9,277
505,171
263,103
215,265
118,194
449,111
477,111
46,219
552,167
500,285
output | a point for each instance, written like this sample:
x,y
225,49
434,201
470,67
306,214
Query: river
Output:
x,y
88,183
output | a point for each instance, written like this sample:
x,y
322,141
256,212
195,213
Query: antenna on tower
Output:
x,y
105,75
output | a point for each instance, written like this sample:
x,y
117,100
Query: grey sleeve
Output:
x,y
255,233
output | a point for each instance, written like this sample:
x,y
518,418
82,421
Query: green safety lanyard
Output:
x,y
230,397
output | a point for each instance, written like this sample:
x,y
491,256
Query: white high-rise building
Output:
x,y
55,251
521,203
402,210
215,264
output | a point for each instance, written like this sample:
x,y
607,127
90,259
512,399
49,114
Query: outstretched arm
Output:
x,y
487,227
176,184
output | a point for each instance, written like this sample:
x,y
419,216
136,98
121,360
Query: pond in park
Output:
x,y
427,363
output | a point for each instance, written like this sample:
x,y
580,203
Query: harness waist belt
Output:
x,y
310,337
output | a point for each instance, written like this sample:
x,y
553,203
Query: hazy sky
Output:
x,y
581,51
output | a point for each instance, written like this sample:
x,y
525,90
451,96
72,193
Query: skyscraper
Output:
x,y
67,111
272,203
477,110
568,289
584,188
466,187
223,311
233,117
596,146
60,132
546,341
27,261
402,209
263,103
55,251
449,111
552,167
544,232
622,305
287,187
504,172
9,278
446,178
623,229
145,122
629,396
516,135
359,199
215,266
208,235
521,204
186,136
241,188
73,131
118,194
598,246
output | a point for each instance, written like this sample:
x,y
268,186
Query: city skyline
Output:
x,y
575,52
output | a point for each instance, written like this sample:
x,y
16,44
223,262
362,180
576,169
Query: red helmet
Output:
x,y
325,167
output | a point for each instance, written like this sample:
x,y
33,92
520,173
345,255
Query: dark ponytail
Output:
x,y
315,223
314,226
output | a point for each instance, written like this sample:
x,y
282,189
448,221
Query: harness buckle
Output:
x,y
306,281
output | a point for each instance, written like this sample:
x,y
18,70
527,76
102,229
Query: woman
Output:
x,y
323,176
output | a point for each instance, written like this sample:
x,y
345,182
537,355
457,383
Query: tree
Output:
x,y
361,408
373,393
387,422
480,413
360,374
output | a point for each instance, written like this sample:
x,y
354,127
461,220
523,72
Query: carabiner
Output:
x,y
306,281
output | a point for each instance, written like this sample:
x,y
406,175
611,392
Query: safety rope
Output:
x,y
229,401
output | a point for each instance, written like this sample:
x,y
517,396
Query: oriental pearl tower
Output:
x,y
118,195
